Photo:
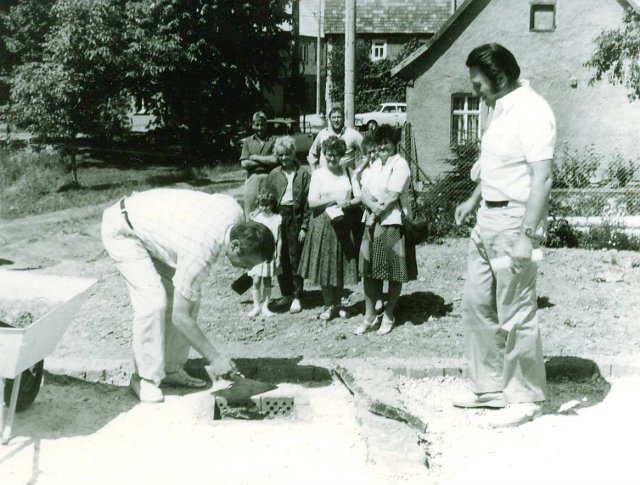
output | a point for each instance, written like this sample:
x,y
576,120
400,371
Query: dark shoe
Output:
x,y
181,378
483,400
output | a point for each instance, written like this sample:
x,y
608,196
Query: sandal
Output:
x,y
366,326
328,314
180,378
386,326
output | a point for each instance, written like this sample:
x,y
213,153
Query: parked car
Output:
x,y
300,132
394,114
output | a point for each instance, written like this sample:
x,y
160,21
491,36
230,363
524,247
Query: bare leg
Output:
x,y
255,293
266,294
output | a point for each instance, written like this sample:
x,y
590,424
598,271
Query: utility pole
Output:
x,y
318,58
349,62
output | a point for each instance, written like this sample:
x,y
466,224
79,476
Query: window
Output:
x,y
389,109
402,109
378,50
465,119
543,17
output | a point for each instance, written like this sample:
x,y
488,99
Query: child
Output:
x,y
290,184
262,273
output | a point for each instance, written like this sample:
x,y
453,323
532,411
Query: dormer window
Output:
x,y
543,16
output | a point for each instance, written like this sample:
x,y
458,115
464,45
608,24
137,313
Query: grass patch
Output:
x,y
38,182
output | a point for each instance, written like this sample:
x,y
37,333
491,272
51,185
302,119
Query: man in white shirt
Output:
x,y
351,137
503,344
163,242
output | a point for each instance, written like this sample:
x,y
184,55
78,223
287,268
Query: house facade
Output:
x,y
387,24
552,40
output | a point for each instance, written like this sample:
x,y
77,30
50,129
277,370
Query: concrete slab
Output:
x,y
178,442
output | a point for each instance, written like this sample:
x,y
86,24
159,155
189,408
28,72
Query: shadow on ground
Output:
x,y
67,406
419,306
573,383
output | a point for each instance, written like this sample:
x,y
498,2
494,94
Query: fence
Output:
x,y
581,208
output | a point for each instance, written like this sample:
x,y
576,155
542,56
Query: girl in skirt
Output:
x,y
263,272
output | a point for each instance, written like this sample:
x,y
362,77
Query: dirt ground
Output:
x,y
588,301
588,304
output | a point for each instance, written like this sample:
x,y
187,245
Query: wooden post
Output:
x,y
349,62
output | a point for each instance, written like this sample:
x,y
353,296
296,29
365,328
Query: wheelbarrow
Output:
x,y
22,350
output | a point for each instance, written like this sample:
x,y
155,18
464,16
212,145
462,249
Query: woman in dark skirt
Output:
x,y
384,254
329,255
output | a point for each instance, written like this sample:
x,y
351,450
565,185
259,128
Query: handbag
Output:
x,y
416,229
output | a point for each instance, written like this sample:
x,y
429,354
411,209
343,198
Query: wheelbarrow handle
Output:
x,y
6,420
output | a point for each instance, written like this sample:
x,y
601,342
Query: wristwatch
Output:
x,y
530,233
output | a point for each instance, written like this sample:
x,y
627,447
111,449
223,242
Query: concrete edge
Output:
x,y
118,371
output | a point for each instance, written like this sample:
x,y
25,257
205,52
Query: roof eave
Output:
x,y
403,69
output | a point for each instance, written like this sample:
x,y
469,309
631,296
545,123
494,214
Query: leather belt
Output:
x,y
123,211
492,204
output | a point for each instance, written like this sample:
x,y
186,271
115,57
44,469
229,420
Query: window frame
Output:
x,y
379,43
541,6
465,112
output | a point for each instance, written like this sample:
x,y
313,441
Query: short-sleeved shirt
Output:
x,y
380,179
252,145
522,130
325,183
184,229
351,137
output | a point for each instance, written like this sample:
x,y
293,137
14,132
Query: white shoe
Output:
x,y
515,414
481,400
265,312
255,312
296,307
146,390
366,326
386,326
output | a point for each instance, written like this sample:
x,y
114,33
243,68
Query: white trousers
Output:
x,y
158,346
502,337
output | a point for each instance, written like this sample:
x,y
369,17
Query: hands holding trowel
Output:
x,y
222,367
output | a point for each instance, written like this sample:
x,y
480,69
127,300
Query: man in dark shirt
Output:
x,y
257,159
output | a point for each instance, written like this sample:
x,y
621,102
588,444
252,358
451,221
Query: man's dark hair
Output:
x,y
254,238
386,134
335,144
493,60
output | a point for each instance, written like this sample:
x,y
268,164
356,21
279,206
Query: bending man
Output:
x,y
164,242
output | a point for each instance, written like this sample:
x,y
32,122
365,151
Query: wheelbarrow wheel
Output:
x,y
29,386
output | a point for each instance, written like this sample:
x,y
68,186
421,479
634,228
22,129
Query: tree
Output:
x,y
374,83
75,86
203,63
196,63
617,55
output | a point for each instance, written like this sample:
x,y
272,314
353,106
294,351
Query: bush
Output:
x,y
608,236
620,171
32,170
438,202
575,169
